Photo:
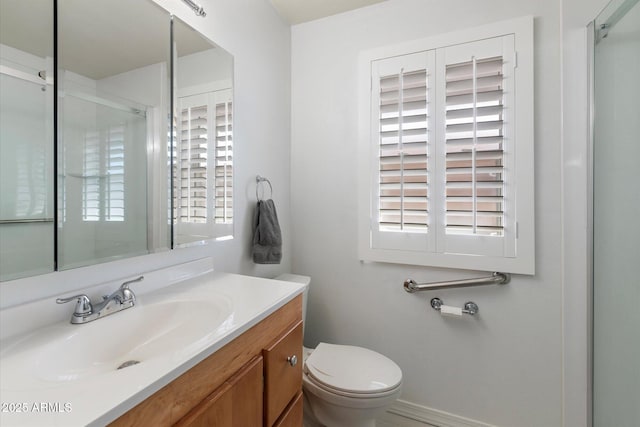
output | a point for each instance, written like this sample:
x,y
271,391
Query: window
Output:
x,y
447,175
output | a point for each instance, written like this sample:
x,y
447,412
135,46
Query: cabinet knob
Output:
x,y
293,360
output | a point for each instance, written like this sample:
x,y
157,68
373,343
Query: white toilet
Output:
x,y
343,385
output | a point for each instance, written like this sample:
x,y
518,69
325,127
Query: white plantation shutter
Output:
x,y
444,184
193,142
403,151
91,171
224,162
401,121
114,181
204,182
476,104
103,174
474,147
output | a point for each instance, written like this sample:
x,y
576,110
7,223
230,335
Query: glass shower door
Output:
x,y
616,217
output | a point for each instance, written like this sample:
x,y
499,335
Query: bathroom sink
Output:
x,y
64,353
185,314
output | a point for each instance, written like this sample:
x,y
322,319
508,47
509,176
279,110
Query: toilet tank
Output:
x,y
305,280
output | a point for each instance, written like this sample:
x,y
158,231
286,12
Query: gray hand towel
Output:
x,y
267,239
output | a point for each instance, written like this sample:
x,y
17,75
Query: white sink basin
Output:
x,y
64,353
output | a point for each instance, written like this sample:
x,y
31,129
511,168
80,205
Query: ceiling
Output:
x,y
83,24
299,11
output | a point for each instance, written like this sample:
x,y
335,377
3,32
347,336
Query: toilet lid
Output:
x,y
352,369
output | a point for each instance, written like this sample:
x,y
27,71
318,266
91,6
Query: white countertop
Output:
x,y
101,398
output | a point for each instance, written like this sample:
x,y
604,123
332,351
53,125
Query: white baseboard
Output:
x,y
406,414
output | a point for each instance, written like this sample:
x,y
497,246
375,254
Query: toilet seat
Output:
x,y
351,371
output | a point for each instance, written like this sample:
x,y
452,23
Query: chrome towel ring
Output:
x,y
260,179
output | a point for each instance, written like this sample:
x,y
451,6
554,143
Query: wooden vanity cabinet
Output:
x,y
247,383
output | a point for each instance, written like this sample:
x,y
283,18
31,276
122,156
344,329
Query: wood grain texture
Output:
x,y
176,399
214,410
292,416
247,396
237,403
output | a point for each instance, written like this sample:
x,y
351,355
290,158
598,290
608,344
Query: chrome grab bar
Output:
x,y
496,278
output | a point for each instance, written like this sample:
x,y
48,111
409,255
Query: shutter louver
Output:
x,y
224,164
193,164
114,197
103,175
91,173
403,186
474,148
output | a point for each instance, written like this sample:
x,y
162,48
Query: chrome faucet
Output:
x,y
121,299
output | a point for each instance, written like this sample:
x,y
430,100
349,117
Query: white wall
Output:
x,y
502,367
213,66
262,136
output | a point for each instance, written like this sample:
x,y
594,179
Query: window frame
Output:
x,y
520,255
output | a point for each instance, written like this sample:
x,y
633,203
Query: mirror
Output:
x,y
26,138
203,143
112,148
127,179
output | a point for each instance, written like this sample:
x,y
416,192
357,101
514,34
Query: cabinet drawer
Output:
x,y
282,377
292,416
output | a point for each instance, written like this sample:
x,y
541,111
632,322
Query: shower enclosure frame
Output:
x,y
604,20
591,44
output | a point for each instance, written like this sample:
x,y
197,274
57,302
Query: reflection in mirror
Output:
x,y
203,143
26,138
113,99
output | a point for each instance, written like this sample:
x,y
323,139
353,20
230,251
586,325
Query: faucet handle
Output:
x,y
127,293
83,306
126,284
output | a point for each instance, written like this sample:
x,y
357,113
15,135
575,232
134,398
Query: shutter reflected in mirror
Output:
x,y
193,164
103,190
205,181
224,164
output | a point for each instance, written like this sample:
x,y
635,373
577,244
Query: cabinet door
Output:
x,y
292,416
237,403
283,373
